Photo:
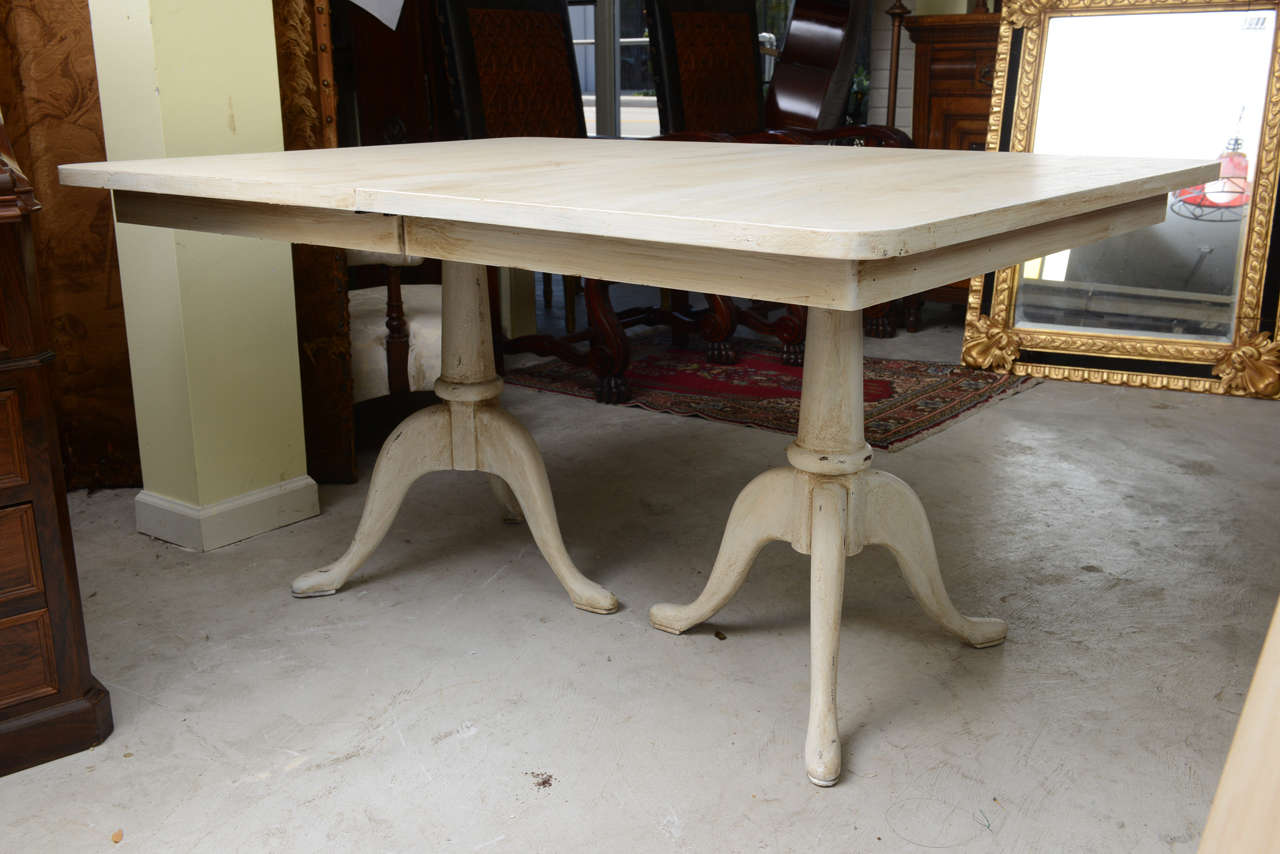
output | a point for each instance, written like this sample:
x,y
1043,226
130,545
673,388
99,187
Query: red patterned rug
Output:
x,y
905,400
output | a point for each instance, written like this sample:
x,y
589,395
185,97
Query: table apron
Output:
x,y
317,226
815,282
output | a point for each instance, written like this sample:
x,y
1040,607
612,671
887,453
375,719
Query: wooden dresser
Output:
x,y
50,704
954,66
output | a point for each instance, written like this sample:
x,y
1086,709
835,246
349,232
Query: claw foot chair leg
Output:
x,y
469,431
829,504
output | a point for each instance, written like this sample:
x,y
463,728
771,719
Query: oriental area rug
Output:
x,y
905,400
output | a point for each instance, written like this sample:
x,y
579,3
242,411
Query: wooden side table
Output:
x,y
50,704
955,64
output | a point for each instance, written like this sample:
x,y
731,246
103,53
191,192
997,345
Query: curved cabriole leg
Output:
x,y
418,446
761,514
506,449
896,519
511,512
826,599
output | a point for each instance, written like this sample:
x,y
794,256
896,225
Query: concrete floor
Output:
x,y
451,699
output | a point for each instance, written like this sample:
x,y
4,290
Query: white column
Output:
x,y
210,319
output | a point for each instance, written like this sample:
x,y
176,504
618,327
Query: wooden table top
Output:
x,y
817,202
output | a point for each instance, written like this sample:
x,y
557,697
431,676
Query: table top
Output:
x,y
828,202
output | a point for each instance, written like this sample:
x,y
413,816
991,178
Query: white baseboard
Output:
x,y
208,527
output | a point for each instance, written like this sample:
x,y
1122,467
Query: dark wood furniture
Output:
x,y
49,97
708,77
50,704
954,67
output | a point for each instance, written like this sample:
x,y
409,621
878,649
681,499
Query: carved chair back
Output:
x,y
514,68
706,65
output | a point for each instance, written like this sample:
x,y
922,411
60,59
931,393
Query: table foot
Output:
x,y
418,446
505,449
761,514
895,518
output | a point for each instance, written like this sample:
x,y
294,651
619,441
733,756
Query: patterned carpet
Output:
x,y
905,400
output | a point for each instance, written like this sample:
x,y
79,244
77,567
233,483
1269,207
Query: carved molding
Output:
x,y
1252,368
989,346
1125,378
1135,348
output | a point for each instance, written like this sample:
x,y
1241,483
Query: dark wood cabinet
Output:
x,y
954,65
50,704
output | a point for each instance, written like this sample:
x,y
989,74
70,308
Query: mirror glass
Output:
x,y
1184,85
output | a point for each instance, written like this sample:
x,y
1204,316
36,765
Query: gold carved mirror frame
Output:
x,y
1245,363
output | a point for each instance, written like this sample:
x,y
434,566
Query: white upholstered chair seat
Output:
x,y
368,308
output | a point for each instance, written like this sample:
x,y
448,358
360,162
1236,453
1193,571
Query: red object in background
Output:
x,y
1222,200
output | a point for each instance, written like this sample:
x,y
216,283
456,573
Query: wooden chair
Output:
x,y
707,71
514,74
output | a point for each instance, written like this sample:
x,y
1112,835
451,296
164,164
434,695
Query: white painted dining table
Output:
x,y
835,229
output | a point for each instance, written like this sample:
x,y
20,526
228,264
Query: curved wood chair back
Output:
x,y
513,66
812,75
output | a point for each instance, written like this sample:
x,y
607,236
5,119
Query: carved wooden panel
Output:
x,y
20,573
49,97
13,456
27,668
308,96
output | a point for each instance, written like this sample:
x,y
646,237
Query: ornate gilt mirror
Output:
x,y
1187,304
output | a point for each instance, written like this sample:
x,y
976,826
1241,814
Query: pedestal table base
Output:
x,y
829,505
469,432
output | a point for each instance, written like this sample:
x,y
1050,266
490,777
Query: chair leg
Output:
x,y
493,277
912,305
878,321
793,350
572,287
610,352
397,337
717,326
678,303
546,290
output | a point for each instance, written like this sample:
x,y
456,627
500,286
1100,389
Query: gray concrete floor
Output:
x,y
451,699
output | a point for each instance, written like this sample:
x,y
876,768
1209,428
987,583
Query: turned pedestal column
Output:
x,y
829,504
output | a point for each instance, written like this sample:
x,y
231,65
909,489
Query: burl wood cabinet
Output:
x,y
954,66
50,704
